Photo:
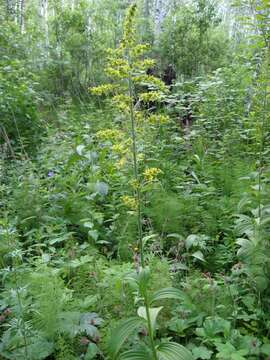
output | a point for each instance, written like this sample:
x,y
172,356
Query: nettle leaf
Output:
x,y
153,314
121,333
173,351
167,293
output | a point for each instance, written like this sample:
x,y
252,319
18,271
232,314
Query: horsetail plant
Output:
x,y
127,67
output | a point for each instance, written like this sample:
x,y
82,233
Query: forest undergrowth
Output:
x,y
135,211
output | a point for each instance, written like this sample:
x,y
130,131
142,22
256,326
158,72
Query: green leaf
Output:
x,y
121,333
89,323
92,351
167,293
61,238
192,240
201,352
102,188
88,301
228,351
198,255
79,149
153,314
173,351
69,322
137,354
143,280
265,349
93,234
40,349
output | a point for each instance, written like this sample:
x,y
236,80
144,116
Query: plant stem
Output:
x,y
262,140
139,211
21,312
149,325
135,165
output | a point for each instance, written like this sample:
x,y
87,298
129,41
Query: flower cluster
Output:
x,y
129,30
130,202
140,157
139,116
151,174
103,89
134,184
122,102
151,96
151,82
143,65
121,163
117,73
109,134
139,49
158,119
119,149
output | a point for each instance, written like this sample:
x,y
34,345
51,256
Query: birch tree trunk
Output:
x,y
44,16
21,16
11,9
146,9
160,10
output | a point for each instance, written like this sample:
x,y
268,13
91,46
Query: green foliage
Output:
x,y
20,125
141,202
192,41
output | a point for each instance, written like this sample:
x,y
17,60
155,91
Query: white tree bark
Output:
x,y
44,16
21,14
10,8
160,11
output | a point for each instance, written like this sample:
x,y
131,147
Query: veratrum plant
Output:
x,y
146,321
128,70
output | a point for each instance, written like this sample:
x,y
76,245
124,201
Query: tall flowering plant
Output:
x,y
127,68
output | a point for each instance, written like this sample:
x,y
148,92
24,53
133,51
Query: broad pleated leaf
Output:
x,y
121,333
143,280
167,293
136,354
173,351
